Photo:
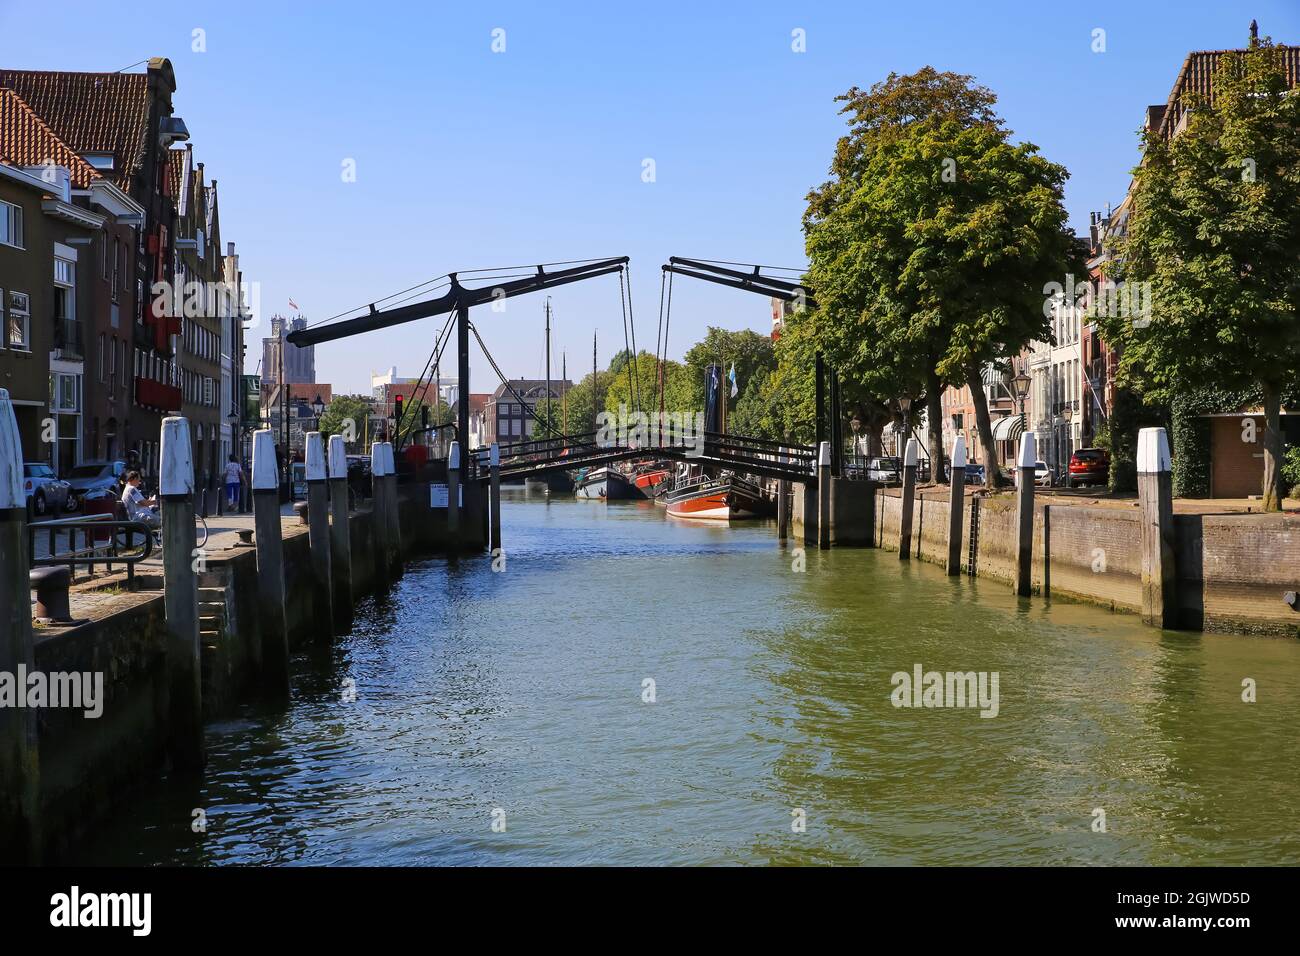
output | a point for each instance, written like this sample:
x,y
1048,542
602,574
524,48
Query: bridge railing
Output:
x,y
735,450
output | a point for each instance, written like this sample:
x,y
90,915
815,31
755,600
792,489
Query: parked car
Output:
x,y
885,470
1088,466
1042,474
974,474
95,476
46,492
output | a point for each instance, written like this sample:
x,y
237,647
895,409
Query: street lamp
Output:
x,y
318,407
905,405
1022,383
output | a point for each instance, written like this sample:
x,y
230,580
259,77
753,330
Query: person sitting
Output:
x,y
138,507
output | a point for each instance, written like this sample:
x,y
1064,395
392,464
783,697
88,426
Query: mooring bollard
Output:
x,y
318,534
453,498
379,510
181,596
270,563
340,536
783,502
494,495
1024,512
956,504
393,512
910,456
824,495
1156,501
20,838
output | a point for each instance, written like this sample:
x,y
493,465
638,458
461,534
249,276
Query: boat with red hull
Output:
x,y
726,498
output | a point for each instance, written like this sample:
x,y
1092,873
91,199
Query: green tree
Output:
x,y
677,394
1215,231
346,415
747,349
932,242
584,401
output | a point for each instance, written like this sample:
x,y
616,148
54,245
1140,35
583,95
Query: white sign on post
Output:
x,y
438,496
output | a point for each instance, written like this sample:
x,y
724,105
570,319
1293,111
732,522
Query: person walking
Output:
x,y
234,480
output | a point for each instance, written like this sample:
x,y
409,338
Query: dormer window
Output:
x,y
101,161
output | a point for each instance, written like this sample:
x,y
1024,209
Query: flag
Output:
x,y
713,377
731,377
293,305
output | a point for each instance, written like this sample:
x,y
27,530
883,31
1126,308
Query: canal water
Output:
x,y
518,699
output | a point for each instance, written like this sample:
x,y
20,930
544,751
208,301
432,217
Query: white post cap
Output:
x,y
494,455
315,457
824,454
453,456
338,457
265,474
378,467
911,454
1028,451
1153,451
959,452
11,456
390,461
175,458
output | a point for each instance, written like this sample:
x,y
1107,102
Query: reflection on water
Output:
x,y
522,691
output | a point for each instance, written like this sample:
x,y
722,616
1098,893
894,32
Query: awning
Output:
x,y
1009,428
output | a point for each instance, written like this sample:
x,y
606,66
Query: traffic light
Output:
x,y
397,411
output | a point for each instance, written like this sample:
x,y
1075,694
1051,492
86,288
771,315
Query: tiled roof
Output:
x,y
525,385
27,140
91,112
1197,76
176,172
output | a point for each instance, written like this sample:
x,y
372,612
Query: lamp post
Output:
x,y
905,406
318,407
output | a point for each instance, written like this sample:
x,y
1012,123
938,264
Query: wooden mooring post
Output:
x,y
181,596
494,497
268,535
318,532
394,512
910,457
1024,512
340,536
956,504
1156,501
379,511
20,832
823,495
453,498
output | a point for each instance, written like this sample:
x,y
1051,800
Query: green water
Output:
x,y
522,692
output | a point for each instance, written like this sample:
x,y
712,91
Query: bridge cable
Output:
x,y
631,321
506,382
631,387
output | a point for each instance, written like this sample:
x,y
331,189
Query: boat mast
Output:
x,y
564,394
593,381
549,416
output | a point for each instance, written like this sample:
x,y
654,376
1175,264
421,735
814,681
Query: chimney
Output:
x,y
230,248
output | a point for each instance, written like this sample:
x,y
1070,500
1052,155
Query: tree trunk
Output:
x,y
934,425
992,473
1273,492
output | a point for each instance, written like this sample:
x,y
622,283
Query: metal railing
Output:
x,y
105,540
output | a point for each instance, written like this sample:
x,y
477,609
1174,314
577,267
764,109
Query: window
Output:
x,y
11,224
19,324
103,363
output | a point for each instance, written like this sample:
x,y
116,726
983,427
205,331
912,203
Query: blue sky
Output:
x,y
466,158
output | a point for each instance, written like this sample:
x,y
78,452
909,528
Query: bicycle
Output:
x,y
125,539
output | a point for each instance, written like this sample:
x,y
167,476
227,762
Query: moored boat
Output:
x,y
726,498
607,484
